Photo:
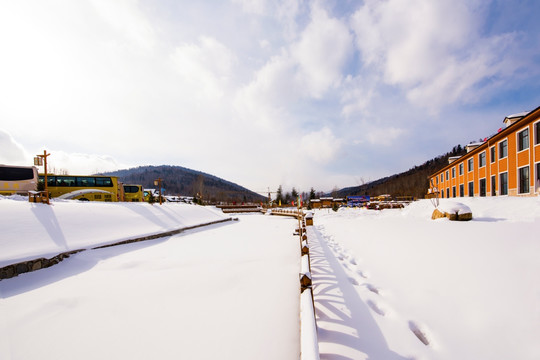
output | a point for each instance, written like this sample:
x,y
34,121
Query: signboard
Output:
x,y
357,200
38,161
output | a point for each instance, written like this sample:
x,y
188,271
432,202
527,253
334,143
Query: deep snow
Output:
x,y
470,290
227,291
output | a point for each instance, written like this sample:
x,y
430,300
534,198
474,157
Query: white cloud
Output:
x,y
206,66
12,152
128,20
322,51
433,50
320,146
384,136
81,164
253,6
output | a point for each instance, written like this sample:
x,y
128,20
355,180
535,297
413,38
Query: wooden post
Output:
x,y
158,183
44,157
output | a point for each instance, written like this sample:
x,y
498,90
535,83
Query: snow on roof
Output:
x,y
521,114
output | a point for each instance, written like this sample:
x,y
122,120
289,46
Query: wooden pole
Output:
x,y
44,157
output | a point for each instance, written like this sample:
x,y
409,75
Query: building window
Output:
x,y
493,185
442,193
470,164
453,172
447,192
446,175
442,179
482,159
492,154
453,191
537,133
461,169
503,184
483,187
523,140
471,188
461,190
503,149
537,176
523,174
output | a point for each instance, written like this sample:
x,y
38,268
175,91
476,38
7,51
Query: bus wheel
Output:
x,y
84,199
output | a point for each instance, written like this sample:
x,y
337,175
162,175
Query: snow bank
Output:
x,y
470,289
32,230
223,292
452,207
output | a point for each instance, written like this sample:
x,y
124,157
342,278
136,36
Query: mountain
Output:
x,y
413,182
177,180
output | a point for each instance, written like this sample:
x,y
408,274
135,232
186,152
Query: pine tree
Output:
x,y
279,195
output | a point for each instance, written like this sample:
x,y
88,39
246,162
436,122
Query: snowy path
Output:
x,y
347,328
222,292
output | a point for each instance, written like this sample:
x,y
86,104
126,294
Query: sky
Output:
x,y
322,94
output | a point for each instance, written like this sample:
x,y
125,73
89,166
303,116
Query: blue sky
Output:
x,y
319,94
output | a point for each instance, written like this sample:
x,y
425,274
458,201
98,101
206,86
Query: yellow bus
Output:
x,y
133,192
85,188
18,179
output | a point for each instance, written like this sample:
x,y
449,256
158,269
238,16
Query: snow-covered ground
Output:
x,y
469,290
33,230
226,291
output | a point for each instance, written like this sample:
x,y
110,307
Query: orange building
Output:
x,y
507,163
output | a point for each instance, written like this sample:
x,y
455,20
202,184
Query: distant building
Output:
x,y
507,163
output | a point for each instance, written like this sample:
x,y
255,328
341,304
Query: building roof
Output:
x,y
517,115
502,133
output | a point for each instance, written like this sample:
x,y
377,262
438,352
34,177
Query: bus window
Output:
x,y
84,181
103,181
17,179
65,181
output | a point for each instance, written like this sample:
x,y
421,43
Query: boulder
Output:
x,y
454,211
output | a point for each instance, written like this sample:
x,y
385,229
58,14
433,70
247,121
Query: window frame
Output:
x,y
536,133
521,185
501,183
471,187
482,191
469,161
461,190
492,154
493,185
461,169
482,159
521,146
505,142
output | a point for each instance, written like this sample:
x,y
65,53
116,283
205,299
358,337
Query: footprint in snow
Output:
x,y
373,289
376,307
353,281
419,332
362,274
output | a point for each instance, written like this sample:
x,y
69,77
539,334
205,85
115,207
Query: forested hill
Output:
x,y
413,182
178,180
